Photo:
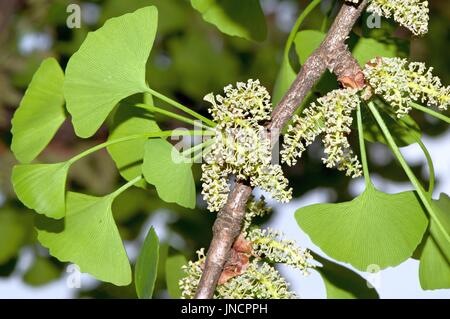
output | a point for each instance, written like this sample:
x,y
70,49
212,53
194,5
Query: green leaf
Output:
x,y
109,66
146,268
244,19
129,155
41,272
12,234
442,211
434,269
373,229
42,187
306,42
90,239
285,77
367,48
342,283
174,274
405,131
40,113
171,173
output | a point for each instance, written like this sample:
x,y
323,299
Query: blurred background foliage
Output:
x,y
190,58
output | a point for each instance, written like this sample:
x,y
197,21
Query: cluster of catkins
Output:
x,y
395,80
412,14
255,276
330,115
241,146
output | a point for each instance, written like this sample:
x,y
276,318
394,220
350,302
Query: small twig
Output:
x,y
332,54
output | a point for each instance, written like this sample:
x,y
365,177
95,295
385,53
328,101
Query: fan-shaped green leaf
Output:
x,y
40,113
244,19
42,187
342,283
367,48
146,268
434,269
174,274
109,66
129,155
171,173
373,229
90,239
442,212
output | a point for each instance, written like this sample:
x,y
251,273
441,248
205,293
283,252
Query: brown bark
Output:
x,y
332,54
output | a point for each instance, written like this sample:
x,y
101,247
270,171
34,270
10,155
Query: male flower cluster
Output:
x,y
257,278
400,83
330,115
412,14
241,146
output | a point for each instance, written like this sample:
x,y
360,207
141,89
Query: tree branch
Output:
x,y
332,54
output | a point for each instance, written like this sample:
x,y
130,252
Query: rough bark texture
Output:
x,y
332,54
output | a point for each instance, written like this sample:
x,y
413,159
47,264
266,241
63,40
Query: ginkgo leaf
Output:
x,y
306,41
244,19
434,269
171,173
41,272
343,283
42,187
440,235
90,239
129,155
286,75
174,273
109,66
373,229
40,113
146,268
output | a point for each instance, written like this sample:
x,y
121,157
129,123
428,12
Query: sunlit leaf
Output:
x,y
42,187
129,155
174,274
109,66
441,209
342,283
171,173
373,229
244,19
40,113
146,268
90,239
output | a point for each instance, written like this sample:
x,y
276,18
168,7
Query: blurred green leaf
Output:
x,y
234,17
373,229
12,234
41,112
442,211
285,77
367,48
405,131
342,283
42,187
146,268
306,42
174,274
41,272
170,172
105,70
90,239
